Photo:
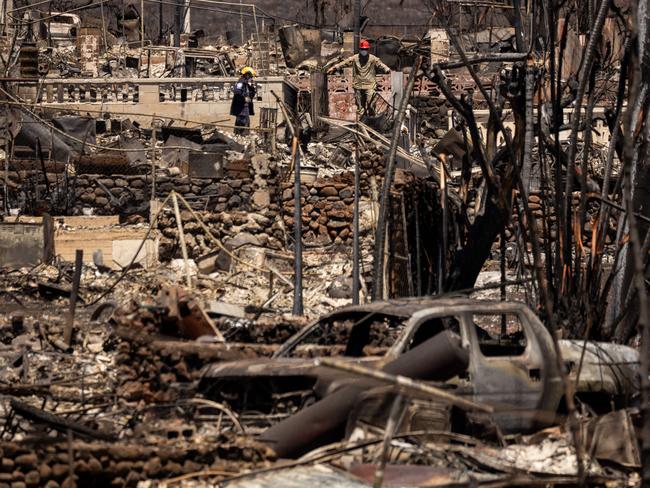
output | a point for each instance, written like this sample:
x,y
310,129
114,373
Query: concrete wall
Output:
x,y
187,101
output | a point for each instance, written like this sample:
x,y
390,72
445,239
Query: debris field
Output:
x,y
328,243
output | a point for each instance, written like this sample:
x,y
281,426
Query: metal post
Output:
x,y
187,19
297,232
241,23
153,161
443,204
177,23
356,254
76,280
260,54
101,7
181,237
141,23
160,23
356,14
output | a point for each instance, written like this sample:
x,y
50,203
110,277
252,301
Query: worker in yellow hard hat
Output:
x,y
244,93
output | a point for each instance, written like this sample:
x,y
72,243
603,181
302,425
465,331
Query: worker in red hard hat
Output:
x,y
364,71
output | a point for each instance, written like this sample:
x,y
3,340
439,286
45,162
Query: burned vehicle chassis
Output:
x,y
515,373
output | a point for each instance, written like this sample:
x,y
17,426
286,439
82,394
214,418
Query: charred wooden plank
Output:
x,y
58,423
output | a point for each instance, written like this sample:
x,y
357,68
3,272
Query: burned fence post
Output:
x,y
445,222
153,161
356,254
181,237
297,233
76,280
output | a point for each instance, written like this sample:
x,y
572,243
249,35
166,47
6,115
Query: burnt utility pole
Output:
x,y
356,14
178,22
297,233
160,23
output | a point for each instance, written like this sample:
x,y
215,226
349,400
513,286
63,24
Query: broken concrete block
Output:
x,y
215,307
214,261
124,250
260,164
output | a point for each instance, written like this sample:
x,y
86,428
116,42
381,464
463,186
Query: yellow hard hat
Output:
x,y
248,69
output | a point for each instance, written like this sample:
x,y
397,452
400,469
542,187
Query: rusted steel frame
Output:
x,y
584,77
389,174
405,385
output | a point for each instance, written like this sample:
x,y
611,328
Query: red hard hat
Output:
x,y
364,44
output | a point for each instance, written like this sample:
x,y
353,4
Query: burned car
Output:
x,y
494,353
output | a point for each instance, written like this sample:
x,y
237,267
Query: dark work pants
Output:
x,y
242,122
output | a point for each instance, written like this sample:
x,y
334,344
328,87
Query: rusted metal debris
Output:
x,y
190,317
